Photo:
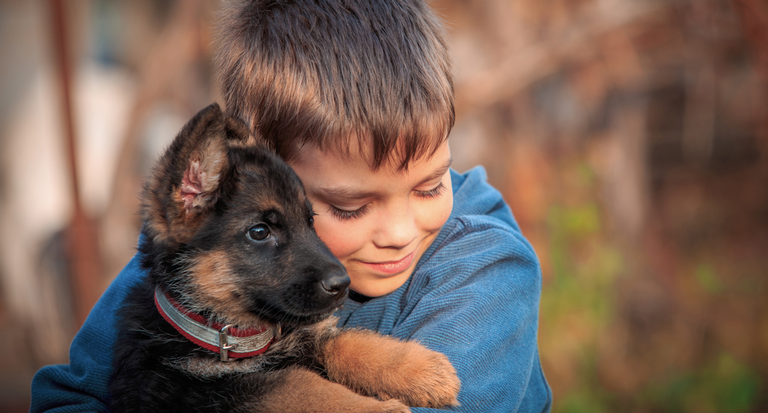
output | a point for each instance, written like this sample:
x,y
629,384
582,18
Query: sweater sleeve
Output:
x,y
477,302
82,385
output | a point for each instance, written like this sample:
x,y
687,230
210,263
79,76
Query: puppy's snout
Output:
x,y
335,284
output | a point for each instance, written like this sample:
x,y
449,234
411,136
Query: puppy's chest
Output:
x,y
210,368
296,348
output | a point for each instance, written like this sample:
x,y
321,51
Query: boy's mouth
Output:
x,y
391,267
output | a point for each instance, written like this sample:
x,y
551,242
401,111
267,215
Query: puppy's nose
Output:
x,y
336,284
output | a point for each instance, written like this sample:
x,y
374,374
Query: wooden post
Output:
x,y
81,237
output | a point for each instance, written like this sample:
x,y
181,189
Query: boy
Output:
x,y
357,97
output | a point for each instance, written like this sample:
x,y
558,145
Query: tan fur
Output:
x,y
214,285
181,227
384,367
250,141
155,218
305,392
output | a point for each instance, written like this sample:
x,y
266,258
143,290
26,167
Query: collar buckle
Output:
x,y
224,345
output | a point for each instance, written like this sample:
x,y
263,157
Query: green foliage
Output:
x,y
707,278
578,301
582,401
579,307
584,264
722,385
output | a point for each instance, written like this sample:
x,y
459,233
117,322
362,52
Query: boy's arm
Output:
x,y
82,385
483,315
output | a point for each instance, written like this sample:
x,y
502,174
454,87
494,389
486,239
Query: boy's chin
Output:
x,y
377,285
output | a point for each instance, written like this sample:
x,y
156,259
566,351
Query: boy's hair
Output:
x,y
322,72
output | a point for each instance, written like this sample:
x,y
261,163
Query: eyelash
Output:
x,y
432,193
344,215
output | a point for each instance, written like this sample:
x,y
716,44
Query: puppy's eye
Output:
x,y
258,232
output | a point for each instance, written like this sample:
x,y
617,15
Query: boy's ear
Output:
x,y
191,175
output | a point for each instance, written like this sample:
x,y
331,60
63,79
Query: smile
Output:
x,y
391,267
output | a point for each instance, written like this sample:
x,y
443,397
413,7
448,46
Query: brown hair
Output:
x,y
322,72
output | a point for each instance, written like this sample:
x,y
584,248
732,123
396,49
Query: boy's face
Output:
x,y
377,223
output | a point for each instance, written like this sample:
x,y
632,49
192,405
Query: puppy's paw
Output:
x,y
387,368
393,406
429,380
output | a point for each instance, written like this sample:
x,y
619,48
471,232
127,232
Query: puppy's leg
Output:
x,y
303,391
385,367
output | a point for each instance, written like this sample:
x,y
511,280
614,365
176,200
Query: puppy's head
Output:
x,y
228,230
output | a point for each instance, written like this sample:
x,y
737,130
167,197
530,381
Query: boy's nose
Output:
x,y
397,229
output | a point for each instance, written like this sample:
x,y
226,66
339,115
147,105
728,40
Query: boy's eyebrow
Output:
x,y
439,172
346,193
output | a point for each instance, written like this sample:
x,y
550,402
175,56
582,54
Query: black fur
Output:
x,y
278,280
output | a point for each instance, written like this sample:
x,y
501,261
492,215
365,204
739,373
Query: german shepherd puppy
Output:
x,y
236,312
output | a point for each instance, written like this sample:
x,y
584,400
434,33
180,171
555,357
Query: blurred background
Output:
x,y
630,138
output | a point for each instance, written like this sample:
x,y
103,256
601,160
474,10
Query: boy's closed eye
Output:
x,y
432,193
346,213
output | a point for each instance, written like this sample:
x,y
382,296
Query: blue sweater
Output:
x,y
474,296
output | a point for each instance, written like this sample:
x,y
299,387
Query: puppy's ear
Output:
x,y
190,176
202,176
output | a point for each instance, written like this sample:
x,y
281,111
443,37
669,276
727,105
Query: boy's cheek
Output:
x,y
440,216
437,215
340,242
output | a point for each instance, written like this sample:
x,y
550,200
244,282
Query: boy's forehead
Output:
x,y
343,175
355,150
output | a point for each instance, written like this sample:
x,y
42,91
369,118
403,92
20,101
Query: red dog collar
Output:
x,y
226,340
